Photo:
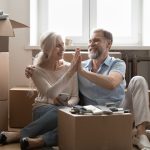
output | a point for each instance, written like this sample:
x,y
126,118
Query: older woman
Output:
x,y
53,78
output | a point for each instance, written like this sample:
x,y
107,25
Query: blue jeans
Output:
x,y
44,124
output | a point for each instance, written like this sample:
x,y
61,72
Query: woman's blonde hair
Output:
x,y
48,42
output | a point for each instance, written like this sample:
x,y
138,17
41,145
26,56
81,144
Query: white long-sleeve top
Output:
x,y
52,83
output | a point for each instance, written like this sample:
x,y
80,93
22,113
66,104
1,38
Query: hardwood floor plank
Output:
x,y
14,146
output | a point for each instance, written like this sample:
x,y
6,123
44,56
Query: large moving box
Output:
x,y
20,106
94,132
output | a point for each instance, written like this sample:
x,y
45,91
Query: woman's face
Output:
x,y
59,49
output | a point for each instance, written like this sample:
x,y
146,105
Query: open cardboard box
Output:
x,y
7,27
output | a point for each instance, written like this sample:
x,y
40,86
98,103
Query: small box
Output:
x,y
94,132
7,30
20,106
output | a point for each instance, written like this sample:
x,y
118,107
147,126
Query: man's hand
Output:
x,y
80,69
29,71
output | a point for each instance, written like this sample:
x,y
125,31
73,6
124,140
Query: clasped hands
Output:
x,y
76,61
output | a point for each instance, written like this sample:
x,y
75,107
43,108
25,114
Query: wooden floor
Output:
x,y
16,146
10,147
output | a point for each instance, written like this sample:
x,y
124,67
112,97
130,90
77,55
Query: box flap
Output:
x,y
7,25
6,28
16,24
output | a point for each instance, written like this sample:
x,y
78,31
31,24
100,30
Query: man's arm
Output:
x,y
110,81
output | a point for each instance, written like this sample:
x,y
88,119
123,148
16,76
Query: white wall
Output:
x,y
4,5
19,58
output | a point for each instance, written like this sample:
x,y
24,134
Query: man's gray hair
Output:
x,y
108,35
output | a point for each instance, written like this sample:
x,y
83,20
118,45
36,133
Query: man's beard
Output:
x,y
96,54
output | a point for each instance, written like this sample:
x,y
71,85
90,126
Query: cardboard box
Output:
x,y
4,66
94,132
20,106
7,30
3,115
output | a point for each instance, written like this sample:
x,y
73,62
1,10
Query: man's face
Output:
x,y
97,45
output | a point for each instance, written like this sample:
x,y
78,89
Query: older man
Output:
x,y
102,80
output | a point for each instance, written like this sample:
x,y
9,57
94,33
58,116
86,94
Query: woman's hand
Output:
x,y
60,102
29,71
75,61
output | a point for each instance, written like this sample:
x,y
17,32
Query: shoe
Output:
x,y
3,138
136,143
143,140
145,148
148,134
24,144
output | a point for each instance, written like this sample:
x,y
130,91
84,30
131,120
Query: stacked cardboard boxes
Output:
x,y
6,30
4,63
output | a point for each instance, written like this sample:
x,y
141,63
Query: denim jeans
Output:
x,y
44,124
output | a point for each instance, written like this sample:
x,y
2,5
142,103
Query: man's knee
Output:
x,y
138,81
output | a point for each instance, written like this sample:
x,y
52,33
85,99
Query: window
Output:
x,y
75,19
121,17
67,17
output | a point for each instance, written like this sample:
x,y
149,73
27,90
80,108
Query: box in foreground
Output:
x,y
99,132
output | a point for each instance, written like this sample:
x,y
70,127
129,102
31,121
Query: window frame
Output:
x,y
38,16
136,27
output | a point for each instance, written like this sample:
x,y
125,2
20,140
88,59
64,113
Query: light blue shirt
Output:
x,y
97,95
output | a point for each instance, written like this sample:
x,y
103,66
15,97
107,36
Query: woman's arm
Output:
x,y
75,92
52,91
